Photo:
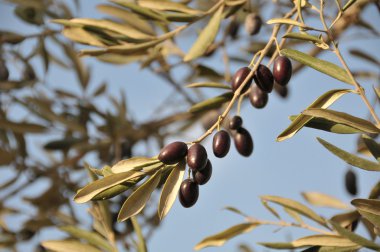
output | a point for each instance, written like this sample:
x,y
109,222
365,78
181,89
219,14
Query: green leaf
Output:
x,y
220,238
270,209
369,208
307,37
90,191
135,163
323,240
354,237
141,245
295,206
346,219
343,118
206,37
287,21
211,103
365,56
350,158
324,101
68,246
329,126
277,245
170,189
91,237
322,66
372,146
168,6
208,85
79,35
137,200
323,200
145,12
235,210
21,127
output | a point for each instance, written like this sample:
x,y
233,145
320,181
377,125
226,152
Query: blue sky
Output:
x,y
283,169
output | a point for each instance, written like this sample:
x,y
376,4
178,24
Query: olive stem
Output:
x,y
359,88
289,224
237,93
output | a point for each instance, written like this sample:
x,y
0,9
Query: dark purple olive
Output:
x,y
236,122
243,142
233,29
239,78
221,143
202,177
4,73
351,183
197,157
257,97
264,78
252,23
282,91
188,193
173,153
282,70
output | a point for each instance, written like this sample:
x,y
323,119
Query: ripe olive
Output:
x,y
233,29
257,97
4,73
236,122
188,193
197,157
282,70
264,78
173,153
202,177
239,78
243,142
252,23
282,91
221,143
351,183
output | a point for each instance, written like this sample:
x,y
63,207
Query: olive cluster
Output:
x,y
264,80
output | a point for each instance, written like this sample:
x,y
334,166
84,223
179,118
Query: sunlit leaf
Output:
x,y
220,238
211,103
287,21
137,200
134,163
170,189
208,85
68,246
168,6
350,158
206,37
145,12
323,200
372,146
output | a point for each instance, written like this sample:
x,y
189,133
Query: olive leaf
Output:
x,y
170,189
208,85
206,37
68,246
343,118
287,21
145,12
350,158
21,127
346,219
79,35
168,6
137,200
307,37
372,146
322,66
220,238
90,191
324,101
369,208
91,237
141,245
134,163
323,200
211,103
295,206
329,126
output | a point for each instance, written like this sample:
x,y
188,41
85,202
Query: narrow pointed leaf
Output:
x,y
220,238
141,245
206,37
350,158
208,85
211,103
145,12
137,200
170,189
324,101
287,21
322,66
134,163
323,240
372,146
68,246
323,200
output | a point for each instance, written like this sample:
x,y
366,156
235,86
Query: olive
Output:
x,y
202,177
221,143
173,153
252,23
197,157
233,29
351,183
264,78
236,122
188,193
243,142
239,78
282,91
282,70
4,73
257,97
